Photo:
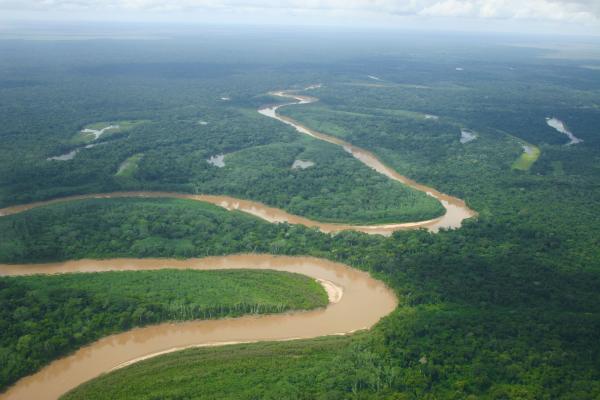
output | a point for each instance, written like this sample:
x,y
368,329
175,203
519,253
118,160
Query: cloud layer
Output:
x,y
571,11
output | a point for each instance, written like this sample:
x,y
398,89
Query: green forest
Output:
x,y
179,124
505,307
465,304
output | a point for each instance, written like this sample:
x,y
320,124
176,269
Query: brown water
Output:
x,y
364,301
456,209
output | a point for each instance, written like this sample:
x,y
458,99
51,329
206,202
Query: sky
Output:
x,y
522,16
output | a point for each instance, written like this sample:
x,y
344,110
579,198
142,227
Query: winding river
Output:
x,y
456,209
357,301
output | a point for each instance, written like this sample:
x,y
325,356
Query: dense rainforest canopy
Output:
x,y
508,306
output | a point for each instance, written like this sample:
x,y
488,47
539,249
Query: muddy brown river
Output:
x,y
456,209
357,301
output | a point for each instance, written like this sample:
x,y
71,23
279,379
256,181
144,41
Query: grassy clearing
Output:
x,y
128,168
528,158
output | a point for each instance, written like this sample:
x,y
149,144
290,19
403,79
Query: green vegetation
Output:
x,y
130,166
526,160
133,227
45,317
175,146
123,125
215,373
489,319
369,198
259,163
506,307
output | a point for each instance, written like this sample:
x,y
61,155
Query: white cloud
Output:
x,y
449,8
572,11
